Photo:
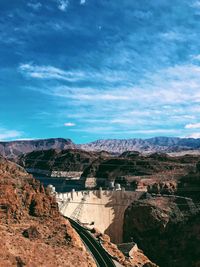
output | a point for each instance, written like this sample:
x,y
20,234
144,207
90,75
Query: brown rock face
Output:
x,y
163,187
138,258
189,184
32,232
167,229
59,160
21,195
130,166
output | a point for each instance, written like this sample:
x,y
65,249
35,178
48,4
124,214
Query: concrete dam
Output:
x,y
104,209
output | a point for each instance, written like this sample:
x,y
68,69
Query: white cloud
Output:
x,y
157,131
196,4
112,130
9,134
89,94
191,117
49,72
142,14
82,2
69,124
196,57
170,95
172,36
192,126
193,135
168,86
35,6
63,4
183,117
96,129
123,121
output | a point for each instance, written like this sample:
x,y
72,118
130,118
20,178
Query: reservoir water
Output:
x,y
61,183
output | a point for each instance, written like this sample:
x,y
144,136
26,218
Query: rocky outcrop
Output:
x,y
189,185
130,168
166,228
164,187
137,259
15,148
55,162
32,231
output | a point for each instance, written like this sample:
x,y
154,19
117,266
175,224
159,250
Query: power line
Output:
x,y
129,204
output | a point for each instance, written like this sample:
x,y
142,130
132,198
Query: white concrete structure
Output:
x,y
52,188
104,208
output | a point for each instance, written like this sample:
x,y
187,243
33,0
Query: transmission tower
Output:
x,y
63,206
77,213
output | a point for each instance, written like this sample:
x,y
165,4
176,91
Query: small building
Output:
x,y
51,188
111,184
117,187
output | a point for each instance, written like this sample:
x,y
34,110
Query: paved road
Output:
x,y
100,255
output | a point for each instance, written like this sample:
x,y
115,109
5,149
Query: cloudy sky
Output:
x,y
90,69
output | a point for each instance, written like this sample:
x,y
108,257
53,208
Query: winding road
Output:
x,y
101,257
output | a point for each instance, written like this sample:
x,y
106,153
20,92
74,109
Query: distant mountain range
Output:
x,y
16,148
156,144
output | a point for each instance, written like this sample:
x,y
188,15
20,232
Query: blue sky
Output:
x,y
91,69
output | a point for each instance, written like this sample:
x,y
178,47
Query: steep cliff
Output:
x,y
32,231
166,228
137,259
189,185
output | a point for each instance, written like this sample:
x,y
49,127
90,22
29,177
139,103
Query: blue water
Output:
x,y
60,183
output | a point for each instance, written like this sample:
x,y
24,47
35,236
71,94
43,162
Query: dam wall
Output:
x,y
104,208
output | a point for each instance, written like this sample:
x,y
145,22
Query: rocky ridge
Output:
x,y
157,172
156,144
53,160
32,231
13,149
167,228
132,168
175,145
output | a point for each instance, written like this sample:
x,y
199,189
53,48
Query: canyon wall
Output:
x,y
166,228
32,231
